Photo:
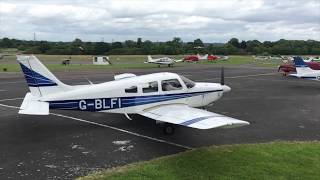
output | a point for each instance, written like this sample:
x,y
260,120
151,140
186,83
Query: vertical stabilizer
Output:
x,y
301,67
40,80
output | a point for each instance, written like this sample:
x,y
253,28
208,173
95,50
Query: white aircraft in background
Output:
x,y
162,61
205,57
304,71
165,97
4,55
311,59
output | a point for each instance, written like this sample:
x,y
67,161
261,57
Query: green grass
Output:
x,y
8,50
83,62
277,160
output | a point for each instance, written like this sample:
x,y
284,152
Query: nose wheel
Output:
x,y
168,129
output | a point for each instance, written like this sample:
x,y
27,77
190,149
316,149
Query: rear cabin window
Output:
x,y
150,87
132,89
171,85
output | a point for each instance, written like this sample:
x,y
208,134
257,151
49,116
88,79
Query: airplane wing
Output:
x,y
191,117
178,60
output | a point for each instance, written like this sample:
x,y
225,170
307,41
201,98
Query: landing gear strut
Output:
x,y
168,129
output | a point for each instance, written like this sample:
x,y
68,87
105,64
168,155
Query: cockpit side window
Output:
x,y
171,85
132,89
190,84
150,87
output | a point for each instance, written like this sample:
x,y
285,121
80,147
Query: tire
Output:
x,y
168,129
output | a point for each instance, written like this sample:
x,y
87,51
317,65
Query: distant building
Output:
x,y
101,60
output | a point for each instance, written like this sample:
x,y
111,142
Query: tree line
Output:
x,y
173,47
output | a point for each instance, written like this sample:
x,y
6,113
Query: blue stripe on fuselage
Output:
x,y
119,102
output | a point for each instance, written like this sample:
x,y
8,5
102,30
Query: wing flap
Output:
x,y
191,117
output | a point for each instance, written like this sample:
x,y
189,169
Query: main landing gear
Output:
x,y
168,129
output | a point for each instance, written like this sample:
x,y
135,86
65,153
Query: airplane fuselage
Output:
x,y
134,94
163,60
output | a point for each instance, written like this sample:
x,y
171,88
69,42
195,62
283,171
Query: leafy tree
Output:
x,y
147,47
243,45
230,49
6,43
253,46
102,47
116,45
198,42
174,46
139,42
130,44
234,42
44,46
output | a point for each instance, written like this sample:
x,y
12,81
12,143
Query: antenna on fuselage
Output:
x,y
222,76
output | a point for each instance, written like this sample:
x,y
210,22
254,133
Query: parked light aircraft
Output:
x,y
165,97
195,58
304,71
163,60
290,68
3,55
205,57
311,59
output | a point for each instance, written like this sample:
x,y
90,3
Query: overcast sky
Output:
x,y
160,20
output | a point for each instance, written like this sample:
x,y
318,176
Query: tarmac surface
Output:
x,y
69,144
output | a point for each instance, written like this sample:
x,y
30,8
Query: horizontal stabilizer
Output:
x,y
32,106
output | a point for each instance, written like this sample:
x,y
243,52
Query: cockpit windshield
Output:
x,y
190,84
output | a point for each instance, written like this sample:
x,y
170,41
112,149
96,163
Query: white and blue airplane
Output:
x,y
162,61
304,71
165,97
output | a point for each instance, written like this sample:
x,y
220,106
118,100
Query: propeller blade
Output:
x,y
222,76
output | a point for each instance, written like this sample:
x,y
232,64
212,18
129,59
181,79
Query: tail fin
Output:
x,y
301,66
149,58
40,80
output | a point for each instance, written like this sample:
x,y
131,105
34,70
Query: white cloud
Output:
x,y
160,20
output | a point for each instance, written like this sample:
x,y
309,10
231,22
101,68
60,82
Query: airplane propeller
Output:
x,y
222,76
225,88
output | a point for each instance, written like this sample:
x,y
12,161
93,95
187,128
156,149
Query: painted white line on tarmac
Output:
x,y
125,131
287,80
2,90
11,99
12,82
111,127
15,107
244,76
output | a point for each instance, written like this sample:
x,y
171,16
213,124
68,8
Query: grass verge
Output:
x,y
277,160
83,62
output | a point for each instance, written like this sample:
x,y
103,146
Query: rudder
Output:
x,y
40,80
301,67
